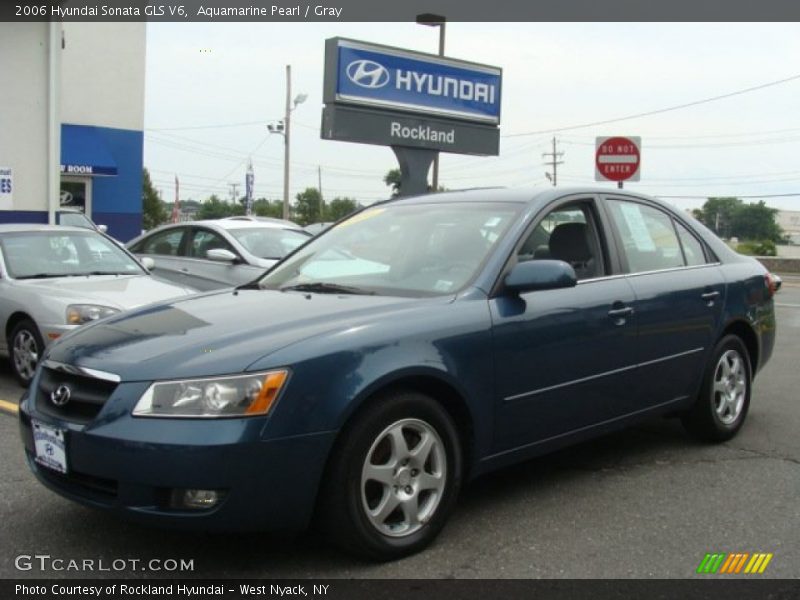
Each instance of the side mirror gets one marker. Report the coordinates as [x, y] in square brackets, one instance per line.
[221, 255]
[533, 275]
[148, 263]
[102, 228]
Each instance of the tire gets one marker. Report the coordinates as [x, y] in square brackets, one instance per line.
[402, 451]
[25, 347]
[721, 407]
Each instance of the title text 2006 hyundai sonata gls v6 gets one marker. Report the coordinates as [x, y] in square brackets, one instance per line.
[414, 345]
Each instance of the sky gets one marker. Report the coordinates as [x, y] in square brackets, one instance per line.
[211, 90]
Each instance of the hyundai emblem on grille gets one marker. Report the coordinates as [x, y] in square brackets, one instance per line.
[60, 396]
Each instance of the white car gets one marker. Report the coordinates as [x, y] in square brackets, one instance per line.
[55, 278]
[217, 253]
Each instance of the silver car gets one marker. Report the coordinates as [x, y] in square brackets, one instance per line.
[207, 255]
[55, 278]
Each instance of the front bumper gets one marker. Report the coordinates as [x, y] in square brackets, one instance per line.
[132, 466]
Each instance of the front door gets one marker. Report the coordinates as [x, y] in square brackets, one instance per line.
[564, 358]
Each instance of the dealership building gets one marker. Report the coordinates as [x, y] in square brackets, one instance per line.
[71, 122]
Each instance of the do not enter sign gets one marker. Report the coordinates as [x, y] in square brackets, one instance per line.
[617, 158]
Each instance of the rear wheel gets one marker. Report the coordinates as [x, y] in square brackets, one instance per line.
[721, 407]
[25, 347]
[393, 479]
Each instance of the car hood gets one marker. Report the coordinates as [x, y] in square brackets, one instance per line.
[217, 333]
[118, 291]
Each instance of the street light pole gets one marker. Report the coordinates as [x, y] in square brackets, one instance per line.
[286, 125]
[435, 21]
[282, 128]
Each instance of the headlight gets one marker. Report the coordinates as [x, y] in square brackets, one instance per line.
[235, 396]
[83, 313]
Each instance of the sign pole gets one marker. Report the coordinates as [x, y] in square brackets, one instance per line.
[414, 166]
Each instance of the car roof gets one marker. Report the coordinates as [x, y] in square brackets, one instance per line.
[537, 196]
[243, 224]
[36, 227]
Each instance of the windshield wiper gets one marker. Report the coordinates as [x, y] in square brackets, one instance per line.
[106, 273]
[320, 287]
[48, 275]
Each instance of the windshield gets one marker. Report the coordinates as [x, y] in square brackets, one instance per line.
[398, 249]
[64, 254]
[269, 242]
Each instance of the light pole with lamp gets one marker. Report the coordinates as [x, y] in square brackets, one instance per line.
[439, 21]
[282, 127]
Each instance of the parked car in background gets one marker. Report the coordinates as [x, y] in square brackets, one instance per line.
[207, 255]
[55, 278]
[73, 217]
[419, 343]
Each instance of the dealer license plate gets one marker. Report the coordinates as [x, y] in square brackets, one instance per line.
[50, 447]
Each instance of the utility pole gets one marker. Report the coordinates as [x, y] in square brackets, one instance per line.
[553, 162]
[234, 188]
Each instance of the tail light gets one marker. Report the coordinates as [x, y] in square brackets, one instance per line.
[773, 283]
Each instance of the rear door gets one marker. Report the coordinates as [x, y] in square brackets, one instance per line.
[564, 358]
[679, 297]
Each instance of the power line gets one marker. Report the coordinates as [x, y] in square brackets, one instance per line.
[659, 110]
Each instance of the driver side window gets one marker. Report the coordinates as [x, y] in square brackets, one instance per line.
[567, 233]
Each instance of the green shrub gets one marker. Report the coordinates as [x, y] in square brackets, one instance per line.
[758, 248]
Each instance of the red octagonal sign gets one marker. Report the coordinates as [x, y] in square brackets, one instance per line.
[617, 158]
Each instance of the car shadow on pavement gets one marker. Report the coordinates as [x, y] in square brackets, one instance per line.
[85, 532]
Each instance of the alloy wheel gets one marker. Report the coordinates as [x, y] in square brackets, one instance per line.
[403, 477]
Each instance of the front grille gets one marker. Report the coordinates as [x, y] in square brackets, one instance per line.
[87, 395]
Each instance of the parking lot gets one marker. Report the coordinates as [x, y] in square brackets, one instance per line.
[647, 502]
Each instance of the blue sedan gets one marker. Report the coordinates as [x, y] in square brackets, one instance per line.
[415, 345]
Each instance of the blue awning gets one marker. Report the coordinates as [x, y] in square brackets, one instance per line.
[85, 152]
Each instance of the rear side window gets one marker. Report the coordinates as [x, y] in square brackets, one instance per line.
[164, 243]
[649, 241]
[692, 248]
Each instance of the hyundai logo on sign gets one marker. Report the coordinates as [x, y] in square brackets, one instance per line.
[367, 73]
[396, 79]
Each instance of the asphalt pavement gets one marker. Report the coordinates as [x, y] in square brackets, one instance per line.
[647, 502]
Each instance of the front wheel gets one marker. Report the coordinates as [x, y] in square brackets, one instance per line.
[25, 346]
[724, 399]
[393, 479]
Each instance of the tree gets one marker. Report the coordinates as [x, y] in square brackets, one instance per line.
[153, 211]
[308, 207]
[730, 217]
[268, 208]
[392, 179]
[717, 214]
[339, 207]
[756, 222]
[214, 208]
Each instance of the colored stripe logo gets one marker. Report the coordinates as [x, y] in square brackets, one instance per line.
[734, 563]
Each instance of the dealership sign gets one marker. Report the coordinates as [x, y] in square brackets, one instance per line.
[410, 98]
[367, 126]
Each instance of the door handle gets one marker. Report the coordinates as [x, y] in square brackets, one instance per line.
[710, 297]
[618, 313]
